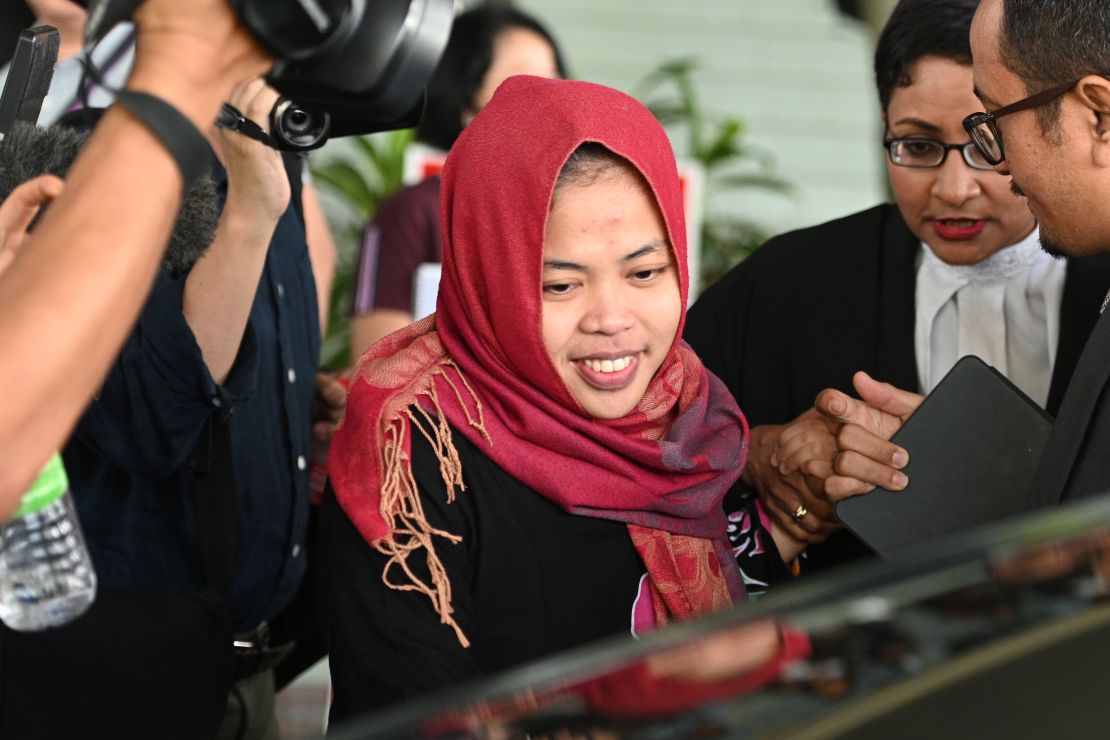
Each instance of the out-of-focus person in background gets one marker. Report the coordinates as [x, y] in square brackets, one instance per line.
[542, 463]
[902, 291]
[69, 301]
[487, 45]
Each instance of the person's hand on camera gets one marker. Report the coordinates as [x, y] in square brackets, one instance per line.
[186, 47]
[256, 178]
[18, 212]
[221, 287]
[795, 504]
[866, 457]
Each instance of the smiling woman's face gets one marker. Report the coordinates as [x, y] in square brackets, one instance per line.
[611, 299]
[964, 214]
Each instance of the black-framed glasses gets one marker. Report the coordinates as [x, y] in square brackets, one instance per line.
[917, 152]
[983, 127]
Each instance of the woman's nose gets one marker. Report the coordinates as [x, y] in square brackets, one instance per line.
[609, 311]
[956, 182]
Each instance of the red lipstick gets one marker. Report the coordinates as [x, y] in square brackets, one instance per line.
[959, 229]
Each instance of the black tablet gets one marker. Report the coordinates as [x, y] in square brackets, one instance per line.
[974, 443]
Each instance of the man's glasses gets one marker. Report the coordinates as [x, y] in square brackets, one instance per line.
[983, 127]
[929, 153]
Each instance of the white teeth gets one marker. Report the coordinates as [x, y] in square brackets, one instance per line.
[608, 366]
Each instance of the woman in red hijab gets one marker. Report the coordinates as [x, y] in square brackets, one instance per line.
[541, 463]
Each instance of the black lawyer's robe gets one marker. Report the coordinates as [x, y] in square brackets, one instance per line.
[813, 306]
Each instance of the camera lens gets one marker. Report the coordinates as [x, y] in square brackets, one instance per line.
[299, 120]
[298, 128]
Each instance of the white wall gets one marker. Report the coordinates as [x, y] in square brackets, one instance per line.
[796, 71]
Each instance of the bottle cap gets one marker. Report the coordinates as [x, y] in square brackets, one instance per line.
[50, 486]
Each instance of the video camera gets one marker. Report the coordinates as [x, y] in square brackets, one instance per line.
[343, 66]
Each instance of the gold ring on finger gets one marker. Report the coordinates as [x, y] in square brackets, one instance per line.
[799, 513]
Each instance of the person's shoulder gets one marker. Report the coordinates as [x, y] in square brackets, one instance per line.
[844, 233]
[1095, 268]
[476, 463]
[413, 197]
[794, 254]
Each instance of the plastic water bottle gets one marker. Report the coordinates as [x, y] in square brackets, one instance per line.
[46, 576]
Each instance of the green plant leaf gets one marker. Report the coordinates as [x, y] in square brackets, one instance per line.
[753, 181]
[719, 146]
[725, 145]
[347, 182]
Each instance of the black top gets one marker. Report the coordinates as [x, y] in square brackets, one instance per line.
[813, 306]
[128, 458]
[528, 580]
[1075, 463]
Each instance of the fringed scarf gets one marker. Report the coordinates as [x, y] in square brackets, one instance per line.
[479, 366]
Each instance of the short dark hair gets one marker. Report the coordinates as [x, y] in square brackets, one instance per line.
[463, 66]
[1050, 42]
[591, 162]
[28, 152]
[921, 28]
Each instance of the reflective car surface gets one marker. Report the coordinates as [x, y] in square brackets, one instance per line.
[998, 632]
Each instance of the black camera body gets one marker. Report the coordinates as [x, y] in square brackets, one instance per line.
[343, 66]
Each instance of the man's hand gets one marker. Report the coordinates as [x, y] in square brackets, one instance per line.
[867, 458]
[257, 183]
[221, 287]
[18, 211]
[784, 494]
[328, 406]
[188, 45]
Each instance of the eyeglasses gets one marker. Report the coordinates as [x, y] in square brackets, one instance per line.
[929, 153]
[983, 127]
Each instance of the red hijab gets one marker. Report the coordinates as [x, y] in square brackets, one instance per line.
[480, 366]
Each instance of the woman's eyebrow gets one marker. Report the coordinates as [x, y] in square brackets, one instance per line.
[563, 265]
[649, 248]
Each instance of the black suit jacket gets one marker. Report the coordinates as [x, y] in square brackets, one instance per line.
[1076, 460]
[813, 306]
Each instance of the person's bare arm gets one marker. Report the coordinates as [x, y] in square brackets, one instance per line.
[788, 546]
[368, 328]
[321, 250]
[221, 287]
[72, 294]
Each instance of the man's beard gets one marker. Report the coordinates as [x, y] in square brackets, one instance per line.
[1051, 246]
[1048, 242]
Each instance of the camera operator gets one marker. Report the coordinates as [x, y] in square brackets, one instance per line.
[77, 284]
[230, 342]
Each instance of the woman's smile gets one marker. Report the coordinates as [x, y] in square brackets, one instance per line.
[609, 374]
